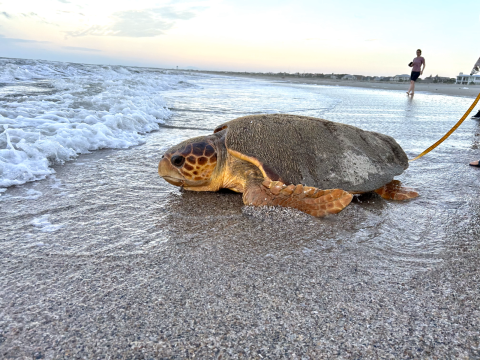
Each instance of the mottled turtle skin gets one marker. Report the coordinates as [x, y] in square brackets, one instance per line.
[311, 164]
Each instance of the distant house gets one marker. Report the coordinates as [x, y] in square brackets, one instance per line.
[468, 79]
[359, 77]
[349, 77]
[438, 79]
[333, 76]
[378, 78]
[403, 77]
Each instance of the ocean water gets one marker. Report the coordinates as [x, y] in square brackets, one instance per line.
[52, 112]
[61, 120]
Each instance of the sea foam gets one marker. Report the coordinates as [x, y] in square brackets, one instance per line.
[50, 112]
[43, 224]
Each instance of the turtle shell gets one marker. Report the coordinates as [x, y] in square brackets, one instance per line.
[316, 152]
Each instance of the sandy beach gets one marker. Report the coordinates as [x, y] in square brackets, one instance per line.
[105, 260]
[439, 88]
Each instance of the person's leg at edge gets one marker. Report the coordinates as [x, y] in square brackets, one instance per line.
[476, 162]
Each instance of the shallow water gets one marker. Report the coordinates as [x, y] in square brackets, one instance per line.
[50, 112]
[111, 207]
[113, 183]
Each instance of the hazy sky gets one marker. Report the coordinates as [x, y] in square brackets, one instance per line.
[370, 37]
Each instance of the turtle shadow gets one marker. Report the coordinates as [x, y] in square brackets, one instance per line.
[226, 202]
[370, 201]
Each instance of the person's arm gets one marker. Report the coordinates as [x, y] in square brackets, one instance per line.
[421, 71]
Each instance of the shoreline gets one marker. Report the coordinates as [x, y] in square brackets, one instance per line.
[440, 88]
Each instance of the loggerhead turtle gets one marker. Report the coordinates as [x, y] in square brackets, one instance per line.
[288, 160]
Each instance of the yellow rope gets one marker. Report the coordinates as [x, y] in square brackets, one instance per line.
[451, 130]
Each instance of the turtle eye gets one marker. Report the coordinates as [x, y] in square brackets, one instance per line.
[177, 160]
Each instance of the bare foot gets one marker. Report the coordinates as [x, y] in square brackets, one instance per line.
[408, 93]
[412, 93]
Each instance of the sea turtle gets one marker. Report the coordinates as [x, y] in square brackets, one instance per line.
[287, 160]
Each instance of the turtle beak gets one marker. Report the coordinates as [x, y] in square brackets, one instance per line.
[173, 181]
[169, 173]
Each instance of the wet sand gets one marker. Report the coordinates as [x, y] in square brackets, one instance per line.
[139, 269]
[240, 282]
[439, 88]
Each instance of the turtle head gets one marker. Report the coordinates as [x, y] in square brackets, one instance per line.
[191, 164]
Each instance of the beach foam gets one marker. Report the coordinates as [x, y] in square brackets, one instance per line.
[42, 224]
[50, 112]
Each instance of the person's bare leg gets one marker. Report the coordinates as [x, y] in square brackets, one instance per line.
[412, 86]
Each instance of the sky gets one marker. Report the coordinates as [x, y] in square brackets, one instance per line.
[369, 37]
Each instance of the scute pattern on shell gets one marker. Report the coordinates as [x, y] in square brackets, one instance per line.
[317, 152]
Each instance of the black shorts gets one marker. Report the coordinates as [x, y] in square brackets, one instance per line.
[414, 76]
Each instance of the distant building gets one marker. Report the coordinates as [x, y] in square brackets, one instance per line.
[359, 77]
[349, 77]
[403, 77]
[378, 78]
[333, 76]
[468, 79]
[438, 79]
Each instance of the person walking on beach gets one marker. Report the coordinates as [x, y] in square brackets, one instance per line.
[416, 65]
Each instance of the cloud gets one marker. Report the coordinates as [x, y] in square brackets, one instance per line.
[79, 48]
[172, 14]
[6, 15]
[64, 1]
[139, 23]
[32, 15]
[5, 39]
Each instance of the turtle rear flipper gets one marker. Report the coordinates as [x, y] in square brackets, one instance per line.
[310, 200]
[395, 191]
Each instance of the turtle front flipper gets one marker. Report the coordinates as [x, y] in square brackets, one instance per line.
[395, 191]
[310, 200]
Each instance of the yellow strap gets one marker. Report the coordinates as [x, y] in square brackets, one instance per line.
[451, 130]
